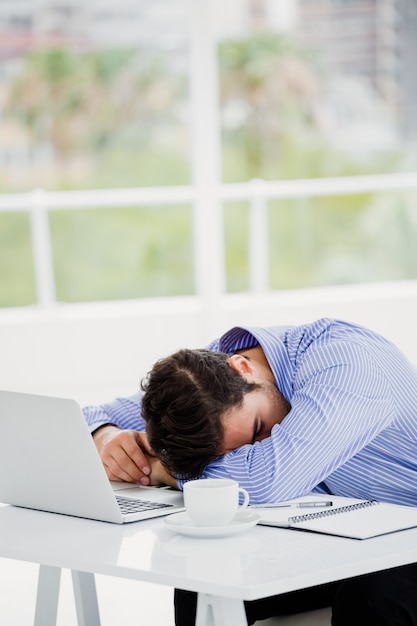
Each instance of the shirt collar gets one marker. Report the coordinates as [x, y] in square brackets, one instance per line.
[272, 343]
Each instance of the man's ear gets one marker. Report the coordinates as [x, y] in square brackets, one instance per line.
[241, 365]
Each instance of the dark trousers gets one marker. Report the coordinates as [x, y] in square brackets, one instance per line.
[387, 598]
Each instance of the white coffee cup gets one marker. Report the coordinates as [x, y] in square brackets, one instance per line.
[213, 501]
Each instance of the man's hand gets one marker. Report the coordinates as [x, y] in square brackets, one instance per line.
[159, 475]
[125, 454]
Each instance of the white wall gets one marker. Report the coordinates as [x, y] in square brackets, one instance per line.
[93, 352]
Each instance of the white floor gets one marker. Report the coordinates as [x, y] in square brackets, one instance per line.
[121, 602]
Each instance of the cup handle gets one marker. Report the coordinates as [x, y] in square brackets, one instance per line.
[245, 498]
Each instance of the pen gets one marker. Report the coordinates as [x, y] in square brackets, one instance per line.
[296, 505]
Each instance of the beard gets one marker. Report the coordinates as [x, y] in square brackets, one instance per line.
[280, 405]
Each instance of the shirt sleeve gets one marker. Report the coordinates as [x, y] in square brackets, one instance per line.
[122, 412]
[340, 402]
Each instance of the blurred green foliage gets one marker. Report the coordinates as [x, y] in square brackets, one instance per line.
[117, 119]
[122, 253]
[17, 285]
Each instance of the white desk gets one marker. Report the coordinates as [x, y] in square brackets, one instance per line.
[225, 571]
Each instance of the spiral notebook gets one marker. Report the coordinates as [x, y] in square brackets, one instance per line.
[356, 519]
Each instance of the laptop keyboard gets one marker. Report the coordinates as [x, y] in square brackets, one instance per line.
[130, 505]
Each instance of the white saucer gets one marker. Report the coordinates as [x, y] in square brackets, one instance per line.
[181, 523]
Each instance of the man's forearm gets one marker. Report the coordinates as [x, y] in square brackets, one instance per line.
[159, 475]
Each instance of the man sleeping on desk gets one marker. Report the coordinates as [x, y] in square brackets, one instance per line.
[328, 407]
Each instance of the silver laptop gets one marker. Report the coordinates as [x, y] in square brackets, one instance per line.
[48, 461]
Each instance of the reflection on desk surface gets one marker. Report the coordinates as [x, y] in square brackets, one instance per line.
[257, 563]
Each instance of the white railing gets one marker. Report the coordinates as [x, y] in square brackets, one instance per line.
[257, 193]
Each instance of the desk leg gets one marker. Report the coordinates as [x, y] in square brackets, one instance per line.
[216, 611]
[85, 598]
[47, 596]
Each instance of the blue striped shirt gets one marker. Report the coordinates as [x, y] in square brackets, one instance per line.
[352, 427]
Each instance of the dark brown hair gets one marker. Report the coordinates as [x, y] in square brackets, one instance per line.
[186, 395]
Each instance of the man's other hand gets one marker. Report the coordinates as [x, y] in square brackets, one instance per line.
[125, 454]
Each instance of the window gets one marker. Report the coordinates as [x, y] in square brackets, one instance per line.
[97, 96]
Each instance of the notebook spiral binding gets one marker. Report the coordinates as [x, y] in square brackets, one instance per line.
[343, 509]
